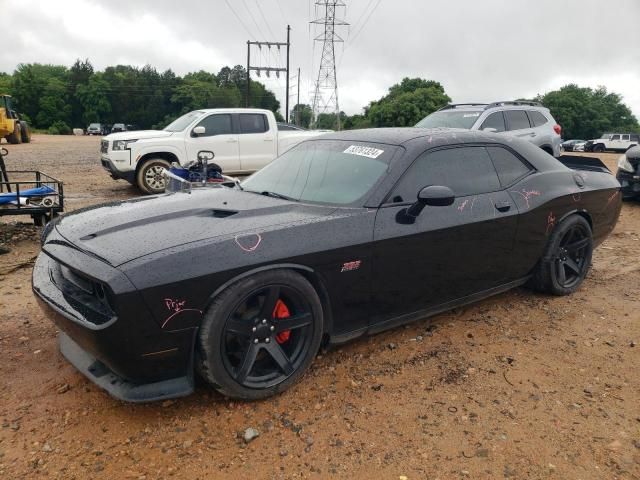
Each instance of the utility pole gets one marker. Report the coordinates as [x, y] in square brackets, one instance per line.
[298, 102]
[286, 113]
[325, 97]
[269, 69]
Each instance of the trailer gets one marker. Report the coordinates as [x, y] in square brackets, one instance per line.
[30, 192]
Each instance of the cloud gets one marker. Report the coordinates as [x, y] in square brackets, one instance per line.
[480, 51]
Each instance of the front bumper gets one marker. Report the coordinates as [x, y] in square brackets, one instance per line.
[129, 355]
[118, 164]
[630, 183]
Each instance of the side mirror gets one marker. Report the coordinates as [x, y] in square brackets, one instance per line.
[489, 129]
[199, 130]
[434, 196]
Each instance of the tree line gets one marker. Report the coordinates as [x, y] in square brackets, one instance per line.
[57, 99]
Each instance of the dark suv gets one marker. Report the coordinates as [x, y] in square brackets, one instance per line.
[527, 120]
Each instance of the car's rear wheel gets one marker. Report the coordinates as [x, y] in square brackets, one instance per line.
[566, 259]
[150, 177]
[260, 335]
[599, 148]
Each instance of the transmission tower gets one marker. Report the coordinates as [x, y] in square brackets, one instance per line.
[325, 97]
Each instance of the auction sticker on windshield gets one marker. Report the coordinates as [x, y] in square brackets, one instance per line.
[364, 151]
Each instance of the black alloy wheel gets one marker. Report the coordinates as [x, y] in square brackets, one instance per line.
[267, 337]
[572, 257]
[260, 334]
[566, 259]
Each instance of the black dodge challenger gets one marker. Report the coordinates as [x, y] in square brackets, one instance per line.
[344, 235]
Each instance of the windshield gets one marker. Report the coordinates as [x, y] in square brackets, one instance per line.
[94, 125]
[450, 119]
[338, 172]
[183, 122]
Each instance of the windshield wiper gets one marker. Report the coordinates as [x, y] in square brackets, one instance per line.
[266, 193]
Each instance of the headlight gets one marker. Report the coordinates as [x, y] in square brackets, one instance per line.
[122, 144]
[624, 164]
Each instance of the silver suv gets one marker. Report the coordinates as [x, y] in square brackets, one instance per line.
[527, 120]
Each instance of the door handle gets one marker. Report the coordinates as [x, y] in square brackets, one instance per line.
[232, 141]
[268, 140]
[502, 206]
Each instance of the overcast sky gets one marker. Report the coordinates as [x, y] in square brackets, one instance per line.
[479, 50]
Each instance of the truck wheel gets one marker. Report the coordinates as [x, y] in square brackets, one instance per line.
[25, 132]
[15, 138]
[150, 178]
[599, 148]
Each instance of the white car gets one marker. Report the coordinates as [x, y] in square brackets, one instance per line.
[243, 140]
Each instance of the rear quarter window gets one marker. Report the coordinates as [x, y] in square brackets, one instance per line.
[537, 118]
[516, 119]
[509, 167]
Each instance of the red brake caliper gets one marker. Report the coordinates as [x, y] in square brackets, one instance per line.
[281, 311]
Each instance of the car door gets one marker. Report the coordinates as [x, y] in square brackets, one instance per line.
[218, 137]
[448, 252]
[614, 142]
[625, 141]
[257, 141]
[518, 125]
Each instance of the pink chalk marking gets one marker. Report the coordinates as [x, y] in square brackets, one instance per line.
[249, 247]
[462, 205]
[176, 307]
[527, 194]
[551, 222]
[611, 197]
[179, 312]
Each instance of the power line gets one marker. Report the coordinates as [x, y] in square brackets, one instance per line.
[353, 39]
[265, 19]
[254, 19]
[239, 19]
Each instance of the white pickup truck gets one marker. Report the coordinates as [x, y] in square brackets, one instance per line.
[242, 139]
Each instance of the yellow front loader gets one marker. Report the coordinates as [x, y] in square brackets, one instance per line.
[11, 127]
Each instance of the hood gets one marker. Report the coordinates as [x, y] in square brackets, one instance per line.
[138, 135]
[123, 231]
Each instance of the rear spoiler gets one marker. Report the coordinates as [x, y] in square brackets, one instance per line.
[591, 164]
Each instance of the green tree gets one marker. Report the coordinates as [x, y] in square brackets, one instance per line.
[6, 83]
[588, 113]
[301, 114]
[407, 103]
[93, 100]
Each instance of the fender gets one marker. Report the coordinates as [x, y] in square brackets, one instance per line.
[151, 149]
[316, 281]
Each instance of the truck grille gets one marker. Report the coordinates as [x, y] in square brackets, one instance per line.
[104, 146]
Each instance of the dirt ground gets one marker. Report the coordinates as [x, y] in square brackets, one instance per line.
[518, 386]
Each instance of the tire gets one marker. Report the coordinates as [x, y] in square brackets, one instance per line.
[246, 356]
[564, 266]
[25, 132]
[599, 148]
[15, 138]
[40, 220]
[149, 177]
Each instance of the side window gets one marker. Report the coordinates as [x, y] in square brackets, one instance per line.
[615, 137]
[509, 167]
[466, 170]
[516, 119]
[495, 120]
[635, 138]
[253, 123]
[217, 124]
[625, 137]
[537, 118]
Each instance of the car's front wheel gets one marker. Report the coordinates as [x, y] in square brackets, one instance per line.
[260, 335]
[150, 177]
[566, 259]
